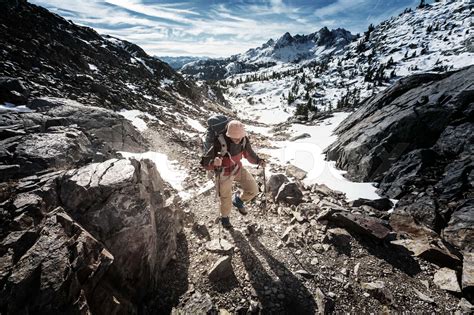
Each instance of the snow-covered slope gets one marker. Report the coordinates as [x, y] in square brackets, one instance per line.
[287, 49]
[435, 38]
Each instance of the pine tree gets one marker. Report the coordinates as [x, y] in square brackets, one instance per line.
[422, 4]
[291, 98]
[369, 30]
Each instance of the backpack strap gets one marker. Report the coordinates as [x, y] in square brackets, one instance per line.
[221, 140]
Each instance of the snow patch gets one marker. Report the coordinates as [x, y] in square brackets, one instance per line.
[133, 116]
[169, 169]
[195, 124]
[307, 154]
[13, 108]
[93, 67]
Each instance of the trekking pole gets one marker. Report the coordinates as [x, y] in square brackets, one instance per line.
[264, 191]
[218, 172]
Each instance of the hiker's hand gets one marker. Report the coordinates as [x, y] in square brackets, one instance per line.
[262, 163]
[217, 161]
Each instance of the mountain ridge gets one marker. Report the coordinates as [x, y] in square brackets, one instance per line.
[286, 49]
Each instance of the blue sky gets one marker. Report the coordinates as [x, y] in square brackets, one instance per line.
[219, 28]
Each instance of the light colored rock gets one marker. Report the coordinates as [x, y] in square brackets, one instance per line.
[466, 306]
[295, 172]
[356, 269]
[468, 271]
[423, 296]
[446, 279]
[219, 245]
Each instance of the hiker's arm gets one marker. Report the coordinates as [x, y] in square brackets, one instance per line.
[207, 160]
[250, 154]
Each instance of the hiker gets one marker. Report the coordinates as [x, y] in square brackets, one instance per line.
[237, 145]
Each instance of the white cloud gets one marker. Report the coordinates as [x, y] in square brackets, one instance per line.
[155, 10]
[338, 7]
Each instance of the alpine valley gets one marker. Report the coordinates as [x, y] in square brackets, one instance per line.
[366, 204]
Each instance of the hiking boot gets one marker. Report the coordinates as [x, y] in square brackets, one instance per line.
[226, 223]
[239, 204]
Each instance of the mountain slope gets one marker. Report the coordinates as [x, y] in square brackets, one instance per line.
[55, 57]
[435, 38]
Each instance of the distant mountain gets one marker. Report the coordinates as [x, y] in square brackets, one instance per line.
[296, 49]
[177, 62]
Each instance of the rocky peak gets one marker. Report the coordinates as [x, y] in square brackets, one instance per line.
[269, 43]
[283, 41]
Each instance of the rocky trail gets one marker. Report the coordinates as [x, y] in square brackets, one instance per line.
[283, 259]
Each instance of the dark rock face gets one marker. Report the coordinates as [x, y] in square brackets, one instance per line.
[52, 268]
[89, 239]
[275, 182]
[382, 204]
[416, 139]
[61, 134]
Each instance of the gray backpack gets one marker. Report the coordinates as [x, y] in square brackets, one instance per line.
[216, 128]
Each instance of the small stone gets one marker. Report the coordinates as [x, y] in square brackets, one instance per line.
[287, 232]
[465, 306]
[298, 252]
[314, 261]
[377, 289]
[356, 269]
[318, 247]
[423, 296]
[304, 273]
[221, 269]
[344, 271]
[254, 306]
[281, 296]
[326, 247]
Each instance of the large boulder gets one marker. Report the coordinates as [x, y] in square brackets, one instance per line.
[103, 124]
[121, 203]
[61, 231]
[460, 229]
[410, 115]
[61, 134]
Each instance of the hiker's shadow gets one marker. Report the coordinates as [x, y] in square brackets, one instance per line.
[297, 300]
[291, 294]
[259, 278]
